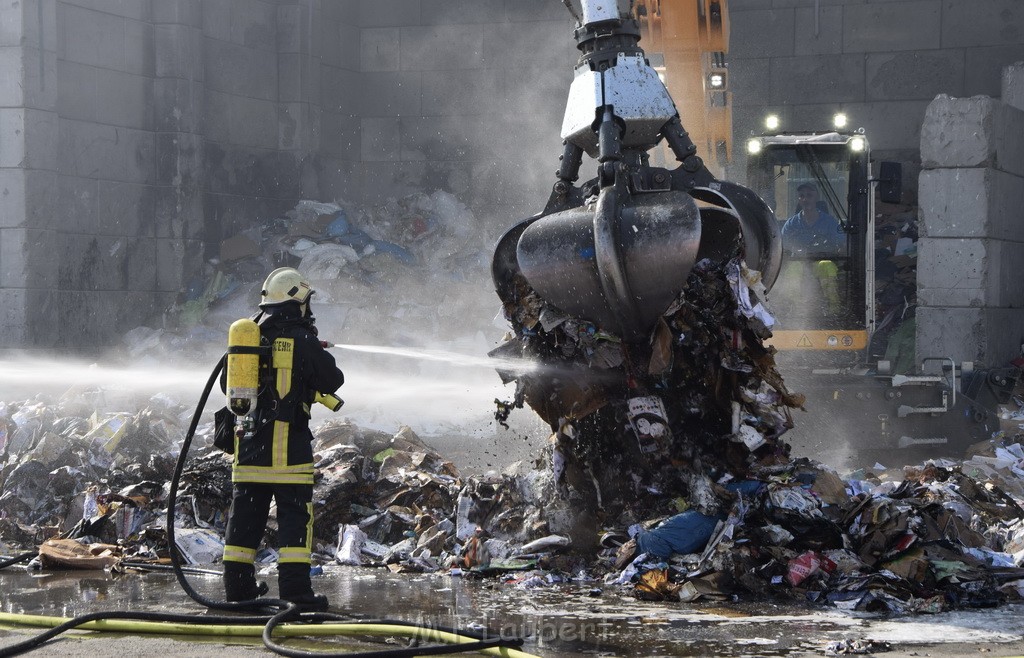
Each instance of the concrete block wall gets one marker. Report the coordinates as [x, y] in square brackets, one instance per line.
[971, 249]
[880, 61]
[134, 136]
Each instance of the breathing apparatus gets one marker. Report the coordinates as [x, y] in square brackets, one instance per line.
[248, 360]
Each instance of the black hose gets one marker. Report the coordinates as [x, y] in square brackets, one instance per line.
[17, 559]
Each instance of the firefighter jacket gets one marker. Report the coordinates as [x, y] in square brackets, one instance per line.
[281, 450]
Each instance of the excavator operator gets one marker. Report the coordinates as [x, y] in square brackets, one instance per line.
[813, 234]
[275, 460]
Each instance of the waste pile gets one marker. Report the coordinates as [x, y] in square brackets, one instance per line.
[896, 284]
[639, 427]
[921, 538]
[381, 272]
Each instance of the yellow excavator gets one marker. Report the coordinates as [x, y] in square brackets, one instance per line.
[824, 296]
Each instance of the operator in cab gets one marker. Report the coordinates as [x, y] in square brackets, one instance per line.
[274, 462]
[814, 236]
[812, 232]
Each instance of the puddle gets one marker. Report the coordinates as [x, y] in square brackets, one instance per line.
[565, 621]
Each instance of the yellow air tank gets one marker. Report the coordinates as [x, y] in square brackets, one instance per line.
[243, 377]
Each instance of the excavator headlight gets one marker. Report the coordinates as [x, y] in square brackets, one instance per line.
[753, 146]
[771, 122]
[840, 120]
[857, 144]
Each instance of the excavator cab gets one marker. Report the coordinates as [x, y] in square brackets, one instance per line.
[819, 186]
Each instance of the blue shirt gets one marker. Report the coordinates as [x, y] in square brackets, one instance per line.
[824, 237]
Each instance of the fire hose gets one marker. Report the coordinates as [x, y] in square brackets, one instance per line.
[286, 621]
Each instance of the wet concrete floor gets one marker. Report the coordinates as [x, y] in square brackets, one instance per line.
[581, 619]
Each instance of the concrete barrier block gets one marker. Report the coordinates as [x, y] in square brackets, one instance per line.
[826, 79]
[956, 333]
[389, 13]
[972, 132]
[12, 197]
[381, 140]
[954, 272]
[972, 202]
[884, 27]
[380, 49]
[441, 47]
[990, 337]
[1012, 85]
[391, 94]
[98, 37]
[915, 75]
[762, 33]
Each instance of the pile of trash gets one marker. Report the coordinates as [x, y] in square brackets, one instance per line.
[376, 269]
[638, 427]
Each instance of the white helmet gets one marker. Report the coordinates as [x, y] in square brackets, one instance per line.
[285, 284]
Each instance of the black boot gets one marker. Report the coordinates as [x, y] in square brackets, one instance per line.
[293, 582]
[240, 582]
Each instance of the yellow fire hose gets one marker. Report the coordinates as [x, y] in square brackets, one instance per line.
[284, 630]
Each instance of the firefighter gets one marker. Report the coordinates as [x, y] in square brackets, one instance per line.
[273, 457]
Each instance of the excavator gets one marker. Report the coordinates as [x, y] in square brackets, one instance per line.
[616, 250]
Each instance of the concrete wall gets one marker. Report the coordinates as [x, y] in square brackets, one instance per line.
[136, 134]
[971, 251]
[880, 61]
